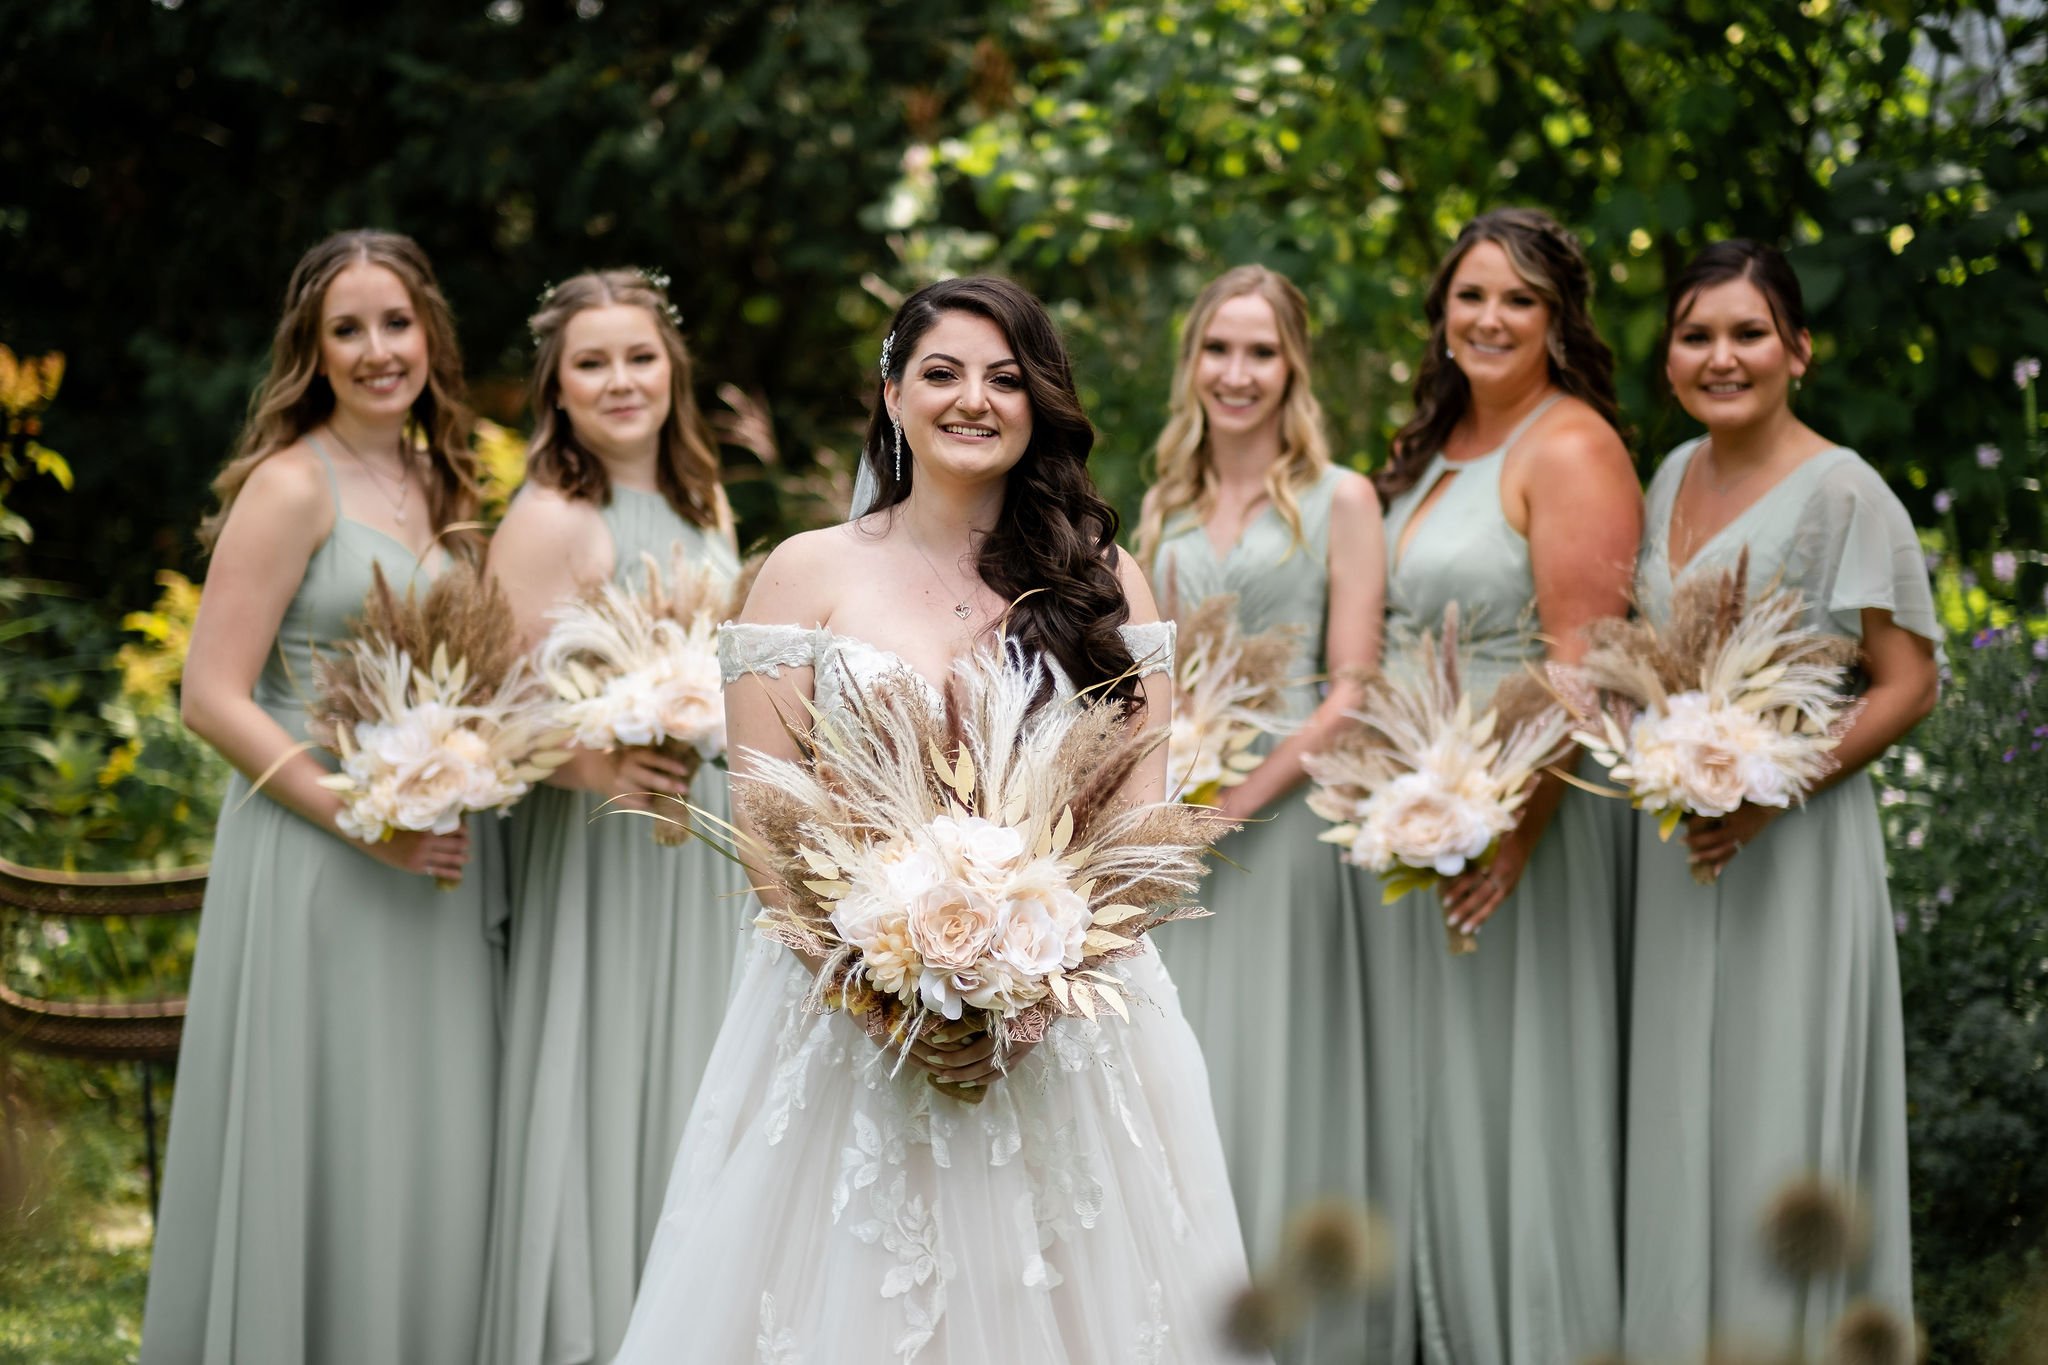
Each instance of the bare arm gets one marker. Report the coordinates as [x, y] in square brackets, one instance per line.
[1351, 645]
[1904, 685]
[280, 519]
[1585, 519]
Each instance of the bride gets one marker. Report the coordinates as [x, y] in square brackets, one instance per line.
[822, 1210]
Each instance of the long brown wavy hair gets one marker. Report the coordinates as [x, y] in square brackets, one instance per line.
[1186, 479]
[295, 397]
[1552, 263]
[687, 470]
[1052, 553]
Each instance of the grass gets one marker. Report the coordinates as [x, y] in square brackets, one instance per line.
[74, 1211]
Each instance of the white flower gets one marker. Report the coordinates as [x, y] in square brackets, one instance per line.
[953, 924]
[1193, 758]
[2005, 566]
[1426, 823]
[878, 905]
[1988, 456]
[977, 851]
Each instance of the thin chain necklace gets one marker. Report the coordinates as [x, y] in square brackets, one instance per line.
[961, 608]
[397, 506]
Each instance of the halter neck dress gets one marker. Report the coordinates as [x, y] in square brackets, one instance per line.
[327, 1184]
[622, 952]
[1274, 984]
[1766, 1041]
[1496, 1100]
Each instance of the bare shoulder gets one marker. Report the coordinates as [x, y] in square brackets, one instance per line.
[1354, 501]
[799, 581]
[1574, 444]
[1137, 592]
[291, 483]
[540, 517]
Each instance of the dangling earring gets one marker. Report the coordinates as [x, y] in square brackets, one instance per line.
[1449, 354]
[1556, 348]
[899, 448]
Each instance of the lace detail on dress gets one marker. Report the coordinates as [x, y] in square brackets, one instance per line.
[744, 649]
[1151, 645]
[777, 1344]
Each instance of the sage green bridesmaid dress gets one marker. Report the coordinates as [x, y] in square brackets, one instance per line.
[1766, 1042]
[621, 954]
[1496, 1099]
[1273, 986]
[327, 1185]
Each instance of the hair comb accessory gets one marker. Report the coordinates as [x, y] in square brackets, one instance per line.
[888, 344]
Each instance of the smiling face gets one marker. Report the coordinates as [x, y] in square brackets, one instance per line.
[1496, 324]
[613, 380]
[962, 400]
[1241, 371]
[1729, 364]
[373, 350]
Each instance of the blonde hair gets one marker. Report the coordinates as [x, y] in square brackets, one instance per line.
[1185, 478]
[687, 468]
[295, 397]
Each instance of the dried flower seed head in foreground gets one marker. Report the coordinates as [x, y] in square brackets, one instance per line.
[1872, 1334]
[1336, 1246]
[1813, 1227]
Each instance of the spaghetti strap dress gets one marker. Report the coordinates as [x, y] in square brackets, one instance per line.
[327, 1184]
[622, 951]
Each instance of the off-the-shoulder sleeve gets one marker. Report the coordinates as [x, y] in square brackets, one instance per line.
[744, 649]
[1874, 557]
[1151, 645]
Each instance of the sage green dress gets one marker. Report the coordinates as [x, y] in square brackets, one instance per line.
[622, 950]
[1766, 1042]
[327, 1184]
[1273, 986]
[1496, 1100]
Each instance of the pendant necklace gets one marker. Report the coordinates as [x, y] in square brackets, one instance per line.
[397, 505]
[961, 608]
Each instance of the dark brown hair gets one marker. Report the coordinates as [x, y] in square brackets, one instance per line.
[1052, 553]
[1740, 258]
[687, 468]
[1551, 261]
[295, 397]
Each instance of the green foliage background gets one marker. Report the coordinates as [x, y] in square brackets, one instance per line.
[798, 166]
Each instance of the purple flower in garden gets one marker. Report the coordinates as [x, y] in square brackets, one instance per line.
[1932, 560]
[1915, 838]
[1945, 896]
[2005, 566]
[1969, 578]
[1988, 456]
[2026, 370]
[2041, 648]
[2010, 755]
[1943, 501]
[1899, 921]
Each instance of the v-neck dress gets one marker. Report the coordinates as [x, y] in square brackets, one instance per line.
[1766, 1041]
[1274, 984]
[327, 1185]
[622, 952]
[1496, 1100]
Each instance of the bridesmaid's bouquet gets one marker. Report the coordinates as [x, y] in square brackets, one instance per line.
[1419, 788]
[1229, 688]
[1732, 699]
[431, 710]
[972, 859]
[640, 668]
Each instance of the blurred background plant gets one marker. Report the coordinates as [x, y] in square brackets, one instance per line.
[799, 167]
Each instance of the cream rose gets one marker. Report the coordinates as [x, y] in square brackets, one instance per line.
[976, 850]
[952, 926]
[1428, 826]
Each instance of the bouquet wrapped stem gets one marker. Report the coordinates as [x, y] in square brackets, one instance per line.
[1421, 786]
[1731, 700]
[968, 865]
[431, 711]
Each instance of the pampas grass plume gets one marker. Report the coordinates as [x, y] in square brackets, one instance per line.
[1813, 1227]
[1872, 1334]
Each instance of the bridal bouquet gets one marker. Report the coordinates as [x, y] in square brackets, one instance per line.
[431, 710]
[1731, 700]
[1229, 689]
[972, 859]
[1420, 788]
[640, 668]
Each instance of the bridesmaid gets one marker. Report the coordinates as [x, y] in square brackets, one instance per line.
[328, 1179]
[621, 948]
[1496, 1095]
[1765, 1043]
[1248, 502]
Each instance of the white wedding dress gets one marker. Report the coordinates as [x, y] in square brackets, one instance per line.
[825, 1212]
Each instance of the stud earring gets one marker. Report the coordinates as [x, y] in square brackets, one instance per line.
[899, 448]
[1449, 354]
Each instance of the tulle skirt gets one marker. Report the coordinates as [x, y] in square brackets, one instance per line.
[824, 1210]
